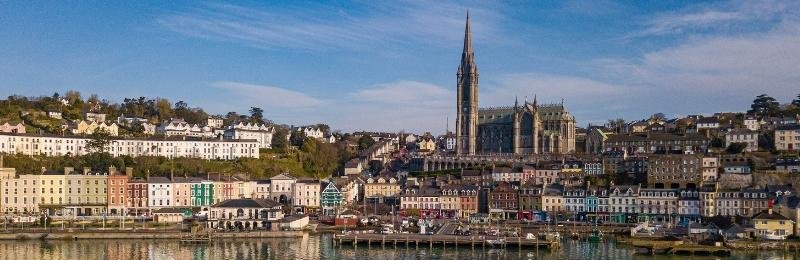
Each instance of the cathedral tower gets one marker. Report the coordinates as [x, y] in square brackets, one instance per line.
[467, 103]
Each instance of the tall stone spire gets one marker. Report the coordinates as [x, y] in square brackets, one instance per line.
[467, 55]
[467, 100]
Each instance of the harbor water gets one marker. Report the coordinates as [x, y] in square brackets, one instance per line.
[323, 247]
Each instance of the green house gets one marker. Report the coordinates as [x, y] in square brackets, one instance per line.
[331, 199]
[203, 193]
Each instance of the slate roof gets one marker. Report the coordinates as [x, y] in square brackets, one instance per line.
[766, 214]
[247, 203]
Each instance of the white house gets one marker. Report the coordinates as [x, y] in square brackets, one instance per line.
[281, 187]
[306, 193]
[746, 136]
[311, 132]
[182, 128]
[160, 194]
[60, 146]
[708, 123]
[260, 133]
[752, 123]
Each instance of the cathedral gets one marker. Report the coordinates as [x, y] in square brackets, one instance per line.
[527, 128]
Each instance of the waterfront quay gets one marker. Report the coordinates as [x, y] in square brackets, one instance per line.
[417, 240]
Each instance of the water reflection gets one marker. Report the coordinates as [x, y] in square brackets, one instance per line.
[320, 247]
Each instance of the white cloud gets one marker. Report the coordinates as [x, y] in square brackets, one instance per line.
[317, 27]
[548, 88]
[269, 96]
[403, 92]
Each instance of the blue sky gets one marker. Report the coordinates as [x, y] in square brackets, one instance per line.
[390, 65]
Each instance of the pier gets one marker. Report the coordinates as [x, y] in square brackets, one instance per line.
[417, 240]
[679, 248]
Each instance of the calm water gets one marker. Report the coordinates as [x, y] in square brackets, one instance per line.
[316, 247]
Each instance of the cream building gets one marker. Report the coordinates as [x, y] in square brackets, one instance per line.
[60, 146]
[90, 127]
[306, 193]
[787, 138]
[381, 187]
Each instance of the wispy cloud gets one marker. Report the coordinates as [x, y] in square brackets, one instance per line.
[316, 27]
[269, 96]
[735, 15]
[403, 92]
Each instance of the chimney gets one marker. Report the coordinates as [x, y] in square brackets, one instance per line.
[112, 170]
[86, 170]
[129, 172]
[43, 170]
[68, 170]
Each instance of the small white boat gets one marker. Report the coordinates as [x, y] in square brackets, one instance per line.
[773, 236]
[495, 242]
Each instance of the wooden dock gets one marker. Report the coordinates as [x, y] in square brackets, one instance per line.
[679, 248]
[196, 238]
[441, 240]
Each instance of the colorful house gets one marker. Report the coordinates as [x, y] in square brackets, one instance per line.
[331, 199]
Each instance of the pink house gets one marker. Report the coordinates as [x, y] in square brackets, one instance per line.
[9, 128]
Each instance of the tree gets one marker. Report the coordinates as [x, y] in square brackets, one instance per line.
[736, 148]
[658, 117]
[256, 115]
[616, 124]
[297, 138]
[279, 139]
[764, 106]
[98, 141]
[365, 142]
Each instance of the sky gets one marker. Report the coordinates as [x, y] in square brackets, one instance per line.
[390, 65]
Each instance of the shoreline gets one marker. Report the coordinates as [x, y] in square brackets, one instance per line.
[174, 235]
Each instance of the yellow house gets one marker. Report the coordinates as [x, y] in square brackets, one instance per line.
[89, 127]
[427, 144]
[381, 187]
[771, 225]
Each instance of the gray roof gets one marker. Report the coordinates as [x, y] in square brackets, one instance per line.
[247, 203]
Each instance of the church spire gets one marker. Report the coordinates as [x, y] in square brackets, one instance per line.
[467, 56]
[468, 37]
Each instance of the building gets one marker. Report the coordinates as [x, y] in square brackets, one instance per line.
[331, 199]
[179, 127]
[306, 195]
[262, 134]
[203, 193]
[281, 186]
[622, 203]
[650, 143]
[771, 225]
[522, 129]
[708, 123]
[244, 214]
[381, 188]
[353, 167]
[674, 171]
[423, 202]
[90, 127]
[160, 192]
[595, 137]
[787, 138]
[710, 169]
[18, 128]
[215, 122]
[745, 136]
[658, 205]
[503, 201]
[118, 191]
[752, 123]
[310, 132]
[137, 203]
[787, 164]
[76, 146]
